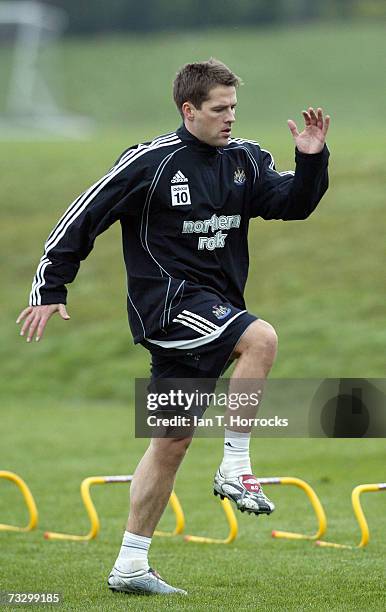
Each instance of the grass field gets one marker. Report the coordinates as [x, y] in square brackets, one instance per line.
[66, 404]
[68, 443]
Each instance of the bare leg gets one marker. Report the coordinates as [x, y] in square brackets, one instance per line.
[256, 352]
[153, 482]
[155, 474]
[150, 491]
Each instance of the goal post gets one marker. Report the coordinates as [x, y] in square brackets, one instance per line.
[29, 101]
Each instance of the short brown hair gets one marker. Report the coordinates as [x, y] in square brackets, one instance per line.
[194, 81]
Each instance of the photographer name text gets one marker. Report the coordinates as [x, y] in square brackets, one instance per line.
[216, 421]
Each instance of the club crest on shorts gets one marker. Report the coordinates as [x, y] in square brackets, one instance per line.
[220, 312]
[239, 177]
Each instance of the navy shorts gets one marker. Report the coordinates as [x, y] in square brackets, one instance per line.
[199, 341]
[192, 352]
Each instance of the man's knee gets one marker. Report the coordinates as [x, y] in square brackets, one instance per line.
[259, 337]
[171, 449]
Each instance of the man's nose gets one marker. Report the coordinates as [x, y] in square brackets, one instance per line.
[230, 118]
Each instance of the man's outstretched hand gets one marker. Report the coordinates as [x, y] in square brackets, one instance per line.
[313, 137]
[36, 318]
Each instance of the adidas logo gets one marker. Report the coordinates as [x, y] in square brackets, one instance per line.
[179, 178]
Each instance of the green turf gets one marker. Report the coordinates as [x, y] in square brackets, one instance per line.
[66, 443]
[66, 403]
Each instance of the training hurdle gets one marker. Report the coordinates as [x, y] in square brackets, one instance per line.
[315, 503]
[87, 483]
[85, 486]
[359, 515]
[232, 523]
[94, 530]
[29, 501]
[277, 480]
[173, 501]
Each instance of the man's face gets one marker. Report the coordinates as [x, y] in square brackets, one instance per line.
[212, 123]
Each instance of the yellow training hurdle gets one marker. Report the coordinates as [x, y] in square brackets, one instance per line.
[175, 505]
[232, 523]
[359, 515]
[85, 486]
[315, 503]
[29, 500]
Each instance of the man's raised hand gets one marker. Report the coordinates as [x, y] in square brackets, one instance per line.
[312, 138]
[36, 318]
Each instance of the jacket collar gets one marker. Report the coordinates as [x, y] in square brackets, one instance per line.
[188, 138]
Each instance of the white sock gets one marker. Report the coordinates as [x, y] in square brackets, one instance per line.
[134, 549]
[236, 459]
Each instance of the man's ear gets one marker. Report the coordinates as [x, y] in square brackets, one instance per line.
[188, 110]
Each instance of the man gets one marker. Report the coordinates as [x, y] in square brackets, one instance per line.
[184, 201]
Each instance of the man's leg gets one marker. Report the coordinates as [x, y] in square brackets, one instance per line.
[150, 490]
[153, 482]
[256, 351]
